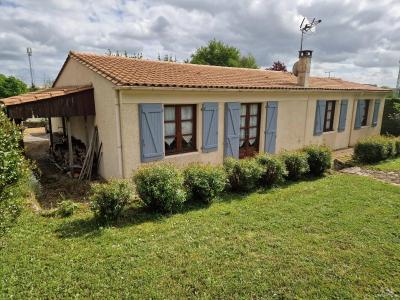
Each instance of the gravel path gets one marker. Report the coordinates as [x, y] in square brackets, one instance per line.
[392, 177]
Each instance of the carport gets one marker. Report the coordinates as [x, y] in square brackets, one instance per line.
[64, 102]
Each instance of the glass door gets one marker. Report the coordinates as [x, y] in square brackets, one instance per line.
[249, 129]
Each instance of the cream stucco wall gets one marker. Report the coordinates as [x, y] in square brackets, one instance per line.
[74, 73]
[295, 128]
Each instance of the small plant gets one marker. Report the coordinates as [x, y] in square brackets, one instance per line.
[243, 175]
[273, 170]
[204, 182]
[374, 149]
[319, 159]
[66, 208]
[107, 200]
[296, 164]
[160, 187]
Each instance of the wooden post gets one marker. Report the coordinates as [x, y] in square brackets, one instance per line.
[70, 153]
[51, 136]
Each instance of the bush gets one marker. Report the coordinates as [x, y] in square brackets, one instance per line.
[204, 182]
[296, 164]
[273, 170]
[160, 187]
[397, 146]
[319, 159]
[66, 208]
[14, 173]
[374, 149]
[107, 200]
[243, 175]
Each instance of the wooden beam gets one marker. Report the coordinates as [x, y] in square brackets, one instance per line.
[51, 136]
[70, 151]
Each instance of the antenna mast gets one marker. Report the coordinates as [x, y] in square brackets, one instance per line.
[306, 27]
[29, 52]
[398, 83]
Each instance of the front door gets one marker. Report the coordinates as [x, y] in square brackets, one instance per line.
[249, 129]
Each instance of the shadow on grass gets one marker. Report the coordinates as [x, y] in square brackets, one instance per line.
[136, 215]
[92, 227]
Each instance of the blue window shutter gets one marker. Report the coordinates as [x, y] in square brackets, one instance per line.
[342, 115]
[376, 112]
[151, 131]
[319, 117]
[271, 126]
[232, 129]
[360, 109]
[210, 127]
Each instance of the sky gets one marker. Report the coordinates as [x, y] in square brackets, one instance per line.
[357, 40]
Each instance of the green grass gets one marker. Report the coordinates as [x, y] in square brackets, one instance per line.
[336, 237]
[387, 165]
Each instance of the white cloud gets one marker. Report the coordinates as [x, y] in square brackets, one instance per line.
[357, 40]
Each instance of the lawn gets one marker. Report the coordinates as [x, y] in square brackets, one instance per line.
[336, 237]
[387, 165]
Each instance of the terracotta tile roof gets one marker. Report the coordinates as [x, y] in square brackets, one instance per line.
[123, 71]
[44, 94]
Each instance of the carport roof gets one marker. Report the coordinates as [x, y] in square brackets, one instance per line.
[44, 94]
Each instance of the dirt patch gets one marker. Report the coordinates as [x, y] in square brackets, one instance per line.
[55, 184]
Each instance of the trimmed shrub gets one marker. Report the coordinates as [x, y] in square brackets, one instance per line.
[296, 164]
[319, 159]
[243, 175]
[374, 149]
[397, 144]
[204, 182]
[66, 208]
[107, 200]
[160, 187]
[273, 170]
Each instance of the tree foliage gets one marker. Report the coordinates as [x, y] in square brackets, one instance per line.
[217, 53]
[391, 117]
[278, 66]
[11, 86]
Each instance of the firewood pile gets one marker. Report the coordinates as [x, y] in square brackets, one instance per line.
[60, 152]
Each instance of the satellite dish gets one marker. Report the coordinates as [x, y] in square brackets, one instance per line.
[295, 71]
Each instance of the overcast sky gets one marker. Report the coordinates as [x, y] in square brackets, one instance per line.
[357, 40]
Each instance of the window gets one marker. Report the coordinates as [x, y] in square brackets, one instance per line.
[179, 128]
[364, 113]
[249, 129]
[329, 115]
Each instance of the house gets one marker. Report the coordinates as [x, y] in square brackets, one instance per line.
[148, 111]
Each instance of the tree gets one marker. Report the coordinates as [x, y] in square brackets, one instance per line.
[278, 66]
[217, 53]
[11, 86]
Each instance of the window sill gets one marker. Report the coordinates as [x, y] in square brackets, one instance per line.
[181, 154]
[328, 132]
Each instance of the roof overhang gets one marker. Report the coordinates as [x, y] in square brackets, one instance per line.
[53, 102]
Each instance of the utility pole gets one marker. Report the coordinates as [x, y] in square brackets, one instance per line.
[398, 83]
[329, 73]
[29, 52]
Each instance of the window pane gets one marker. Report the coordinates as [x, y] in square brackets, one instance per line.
[187, 127]
[186, 112]
[243, 109]
[170, 144]
[169, 113]
[169, 129]
[242, 121]
[252, 132]
[253, 121]
[253, 109]
[242, 133]
[187, 142]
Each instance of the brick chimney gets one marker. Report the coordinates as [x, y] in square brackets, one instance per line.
[302, 68]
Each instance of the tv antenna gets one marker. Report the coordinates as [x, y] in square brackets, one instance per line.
[398, 83]
[29, 52]
[307, 26]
